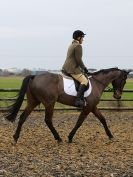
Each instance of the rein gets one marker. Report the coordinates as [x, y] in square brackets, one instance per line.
[108, 88]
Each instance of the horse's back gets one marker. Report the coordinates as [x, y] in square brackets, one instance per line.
[45, 79]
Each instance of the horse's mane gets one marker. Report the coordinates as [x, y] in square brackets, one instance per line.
[105, 71]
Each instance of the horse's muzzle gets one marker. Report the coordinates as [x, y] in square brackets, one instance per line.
[117, 95]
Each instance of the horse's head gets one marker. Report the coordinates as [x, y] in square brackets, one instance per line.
[118, 83]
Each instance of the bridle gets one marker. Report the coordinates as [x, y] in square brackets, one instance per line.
[108, 88]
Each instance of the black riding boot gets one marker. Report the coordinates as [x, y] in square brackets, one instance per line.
[80, 102]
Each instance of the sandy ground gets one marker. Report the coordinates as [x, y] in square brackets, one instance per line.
[91, 154]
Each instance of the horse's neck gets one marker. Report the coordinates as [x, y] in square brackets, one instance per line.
[105, 79]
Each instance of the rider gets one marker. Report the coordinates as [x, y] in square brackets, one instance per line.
[75, 67]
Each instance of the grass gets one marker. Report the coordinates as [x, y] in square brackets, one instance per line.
[15, 82]
[10, 82]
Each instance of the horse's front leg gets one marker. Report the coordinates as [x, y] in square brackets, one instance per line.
[98, 114]
[48, 119]
[81, 119]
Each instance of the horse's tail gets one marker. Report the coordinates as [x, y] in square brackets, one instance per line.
[14, 108]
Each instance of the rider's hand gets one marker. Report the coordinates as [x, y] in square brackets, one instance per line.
[86, 70]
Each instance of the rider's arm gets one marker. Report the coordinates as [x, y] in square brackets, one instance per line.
[78, 56]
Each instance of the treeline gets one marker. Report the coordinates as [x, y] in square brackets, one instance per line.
[23, 72]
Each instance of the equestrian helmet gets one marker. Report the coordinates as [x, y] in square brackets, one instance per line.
[77, 34]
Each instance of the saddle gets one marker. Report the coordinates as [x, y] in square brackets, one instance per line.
[77, 83]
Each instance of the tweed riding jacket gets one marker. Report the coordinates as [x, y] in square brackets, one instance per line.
[73, 63]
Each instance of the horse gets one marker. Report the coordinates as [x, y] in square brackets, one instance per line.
[47, 88]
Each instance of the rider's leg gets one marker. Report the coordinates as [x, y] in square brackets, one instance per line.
[80, 102]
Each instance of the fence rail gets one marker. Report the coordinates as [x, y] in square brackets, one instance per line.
[117, 107]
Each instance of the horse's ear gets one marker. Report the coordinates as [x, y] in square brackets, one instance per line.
[128, 71]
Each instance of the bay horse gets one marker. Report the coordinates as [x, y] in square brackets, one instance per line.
[48, 89]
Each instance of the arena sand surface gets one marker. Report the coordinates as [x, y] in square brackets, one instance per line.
[91, 154]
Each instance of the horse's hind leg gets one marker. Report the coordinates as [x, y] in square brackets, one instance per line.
[81, 119]
[98, 114]
[49, 109]
[22, 119]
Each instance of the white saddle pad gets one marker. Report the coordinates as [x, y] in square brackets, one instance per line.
[69, 87]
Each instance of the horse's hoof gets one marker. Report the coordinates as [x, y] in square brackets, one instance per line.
[59, 140]
[109, 141]
[14, 142]
[69, 141]
[114, 139]
[15, 139]
[111, 138]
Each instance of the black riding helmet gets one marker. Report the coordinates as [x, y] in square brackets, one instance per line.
[77, 34]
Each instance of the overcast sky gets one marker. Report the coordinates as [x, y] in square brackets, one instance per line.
[37, 33]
